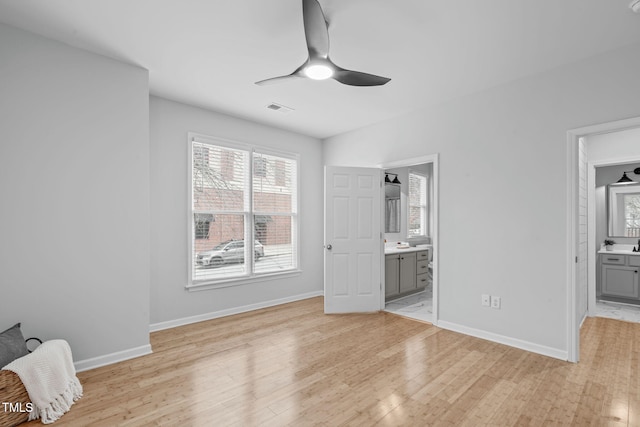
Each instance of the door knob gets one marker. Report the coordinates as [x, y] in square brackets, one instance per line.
[329, 247]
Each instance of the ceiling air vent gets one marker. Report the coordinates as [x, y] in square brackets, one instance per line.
[280, 108]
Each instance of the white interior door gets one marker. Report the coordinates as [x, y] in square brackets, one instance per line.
[352, 239]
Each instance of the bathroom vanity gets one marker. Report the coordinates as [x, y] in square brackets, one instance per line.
[406, 271]
[619, 267]
[620, 275]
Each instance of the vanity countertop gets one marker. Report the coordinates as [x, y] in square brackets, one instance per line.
[390, 250]
[618, 252]
[619, 249]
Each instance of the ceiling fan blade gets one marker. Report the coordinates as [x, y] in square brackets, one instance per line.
[280, 79]
[315, 29]
[356, 78]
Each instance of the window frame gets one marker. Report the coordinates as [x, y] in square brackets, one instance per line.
[423, 209]
[251, 276]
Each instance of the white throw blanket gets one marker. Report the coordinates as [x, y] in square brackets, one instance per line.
[50, 378]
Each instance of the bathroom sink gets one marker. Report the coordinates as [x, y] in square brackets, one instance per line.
[621, 249]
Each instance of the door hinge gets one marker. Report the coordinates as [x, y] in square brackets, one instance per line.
[576, 260]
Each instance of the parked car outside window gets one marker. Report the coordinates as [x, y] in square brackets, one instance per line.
[229, 252]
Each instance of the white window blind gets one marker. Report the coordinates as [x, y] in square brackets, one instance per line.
[275, 203]
[417, 222]
[241, 194]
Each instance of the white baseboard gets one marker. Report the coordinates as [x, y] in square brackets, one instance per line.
[501, 339]
[154, 327]
[108, 359]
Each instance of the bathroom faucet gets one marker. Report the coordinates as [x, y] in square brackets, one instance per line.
[638, 248]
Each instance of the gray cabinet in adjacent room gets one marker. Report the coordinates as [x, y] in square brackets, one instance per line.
[391, 275]
[405, 273]
[620, 277]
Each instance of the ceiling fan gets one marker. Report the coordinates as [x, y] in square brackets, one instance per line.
[318, 65]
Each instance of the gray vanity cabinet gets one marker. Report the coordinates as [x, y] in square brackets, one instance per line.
[405, 273]
[422, 269]
[620, 277]
[391, 275]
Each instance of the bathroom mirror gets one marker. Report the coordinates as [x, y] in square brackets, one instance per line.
[391, 208]
[623, 202]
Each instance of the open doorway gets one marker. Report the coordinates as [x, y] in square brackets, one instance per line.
[411, 224]
[589, 147]
[610, 157]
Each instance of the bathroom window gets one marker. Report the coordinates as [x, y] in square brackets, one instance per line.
[241, 194]
[417, 221]
[632, 215]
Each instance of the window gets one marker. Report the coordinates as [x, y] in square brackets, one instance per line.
[632, 215]
[201, 156]
[202, 225]
[259, 167]
[417, 222]
[241, 194]
[227, 165]
[280, 173]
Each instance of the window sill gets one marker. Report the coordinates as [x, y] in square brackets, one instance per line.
[226, 283]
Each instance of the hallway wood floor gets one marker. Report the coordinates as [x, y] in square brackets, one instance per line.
[293, 365]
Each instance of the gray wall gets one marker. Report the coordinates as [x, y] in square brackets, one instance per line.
[171, 303]
[74, 185]
[503, 158]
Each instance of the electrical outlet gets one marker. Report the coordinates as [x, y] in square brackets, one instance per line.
[495, 302]
[486, 300]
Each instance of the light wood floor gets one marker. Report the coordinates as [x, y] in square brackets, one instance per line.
[293, 365]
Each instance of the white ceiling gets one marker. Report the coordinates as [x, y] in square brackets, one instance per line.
[209, 53]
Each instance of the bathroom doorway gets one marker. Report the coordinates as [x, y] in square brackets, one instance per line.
[411, 227]
[588, 147]
[610, 156]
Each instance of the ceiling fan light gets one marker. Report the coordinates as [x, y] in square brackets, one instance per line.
[318, 72]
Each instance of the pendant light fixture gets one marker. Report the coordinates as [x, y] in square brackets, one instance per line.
[625, 179]
[388, 181]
